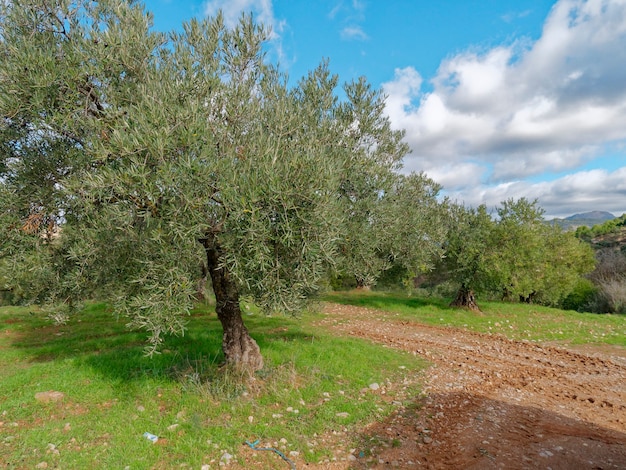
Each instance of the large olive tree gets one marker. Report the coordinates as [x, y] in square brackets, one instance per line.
[130, 157]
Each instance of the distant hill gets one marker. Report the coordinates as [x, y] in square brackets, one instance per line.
[588, 219]
[608, 234]
[598, 216]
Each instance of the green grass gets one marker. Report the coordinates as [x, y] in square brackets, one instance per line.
[113, 393]
[513, 320]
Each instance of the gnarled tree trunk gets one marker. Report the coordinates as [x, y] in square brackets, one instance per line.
[465, 298]
[239, 348]
[361, 284]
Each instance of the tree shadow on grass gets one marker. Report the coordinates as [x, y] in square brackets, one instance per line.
[97, 338]
[464, 430]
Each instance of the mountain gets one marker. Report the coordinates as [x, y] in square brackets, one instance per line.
[596, 216]
[586, 218]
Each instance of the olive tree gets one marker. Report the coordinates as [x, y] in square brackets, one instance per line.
[536, 261]
[401, 225]
[468, 248]
[515, 255]
[129, 157]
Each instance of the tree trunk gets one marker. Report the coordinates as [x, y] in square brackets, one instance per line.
[239, 348]
[527, 299]
[465, 298]
[361, 284]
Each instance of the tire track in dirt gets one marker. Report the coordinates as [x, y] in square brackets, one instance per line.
[493, 402]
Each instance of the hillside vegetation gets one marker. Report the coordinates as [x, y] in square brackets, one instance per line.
[611, 233]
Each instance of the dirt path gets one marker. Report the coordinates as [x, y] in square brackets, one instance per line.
[494, 403]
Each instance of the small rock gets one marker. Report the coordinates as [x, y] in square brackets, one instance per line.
[374, 386]
[42, 465]
[277, 415]
[351, 457]
[427, 439]
[294, 453]
[343, 414]
[205, 467]
[283, 440]
[250, 419]
[49, 397]
[172, 427]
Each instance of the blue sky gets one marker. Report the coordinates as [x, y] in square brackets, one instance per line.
[499, 98]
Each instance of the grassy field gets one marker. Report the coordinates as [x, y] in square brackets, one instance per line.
[313, 384]
[513, 320]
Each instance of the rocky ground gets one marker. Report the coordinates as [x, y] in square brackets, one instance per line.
[490, 402]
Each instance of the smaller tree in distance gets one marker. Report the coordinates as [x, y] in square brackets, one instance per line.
[467, 251]
[517, 256]
[537, 261]
[401, 226]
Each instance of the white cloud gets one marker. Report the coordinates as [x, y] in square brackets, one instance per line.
[512, 16]
[351, 15]
[522, 109]
[353, 32]
[232, 10]
[263, 12]
[575, 193]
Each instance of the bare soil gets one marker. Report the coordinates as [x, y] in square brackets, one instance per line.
[489, 402]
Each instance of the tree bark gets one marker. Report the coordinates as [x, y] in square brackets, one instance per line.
[361, 284]
[238, 346]
[465, 298]
[201, 285]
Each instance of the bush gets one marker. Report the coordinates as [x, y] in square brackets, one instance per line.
[614, 290]
[582, 298]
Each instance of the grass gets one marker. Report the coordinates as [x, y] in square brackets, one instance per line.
[312, 385]
[513, 320]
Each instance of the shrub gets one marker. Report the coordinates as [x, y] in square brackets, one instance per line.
[582, 298]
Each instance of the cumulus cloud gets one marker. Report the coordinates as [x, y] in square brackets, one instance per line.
[574, 193]
[524, 108]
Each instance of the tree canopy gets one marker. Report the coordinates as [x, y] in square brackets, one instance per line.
[129, 157]
[514, 255]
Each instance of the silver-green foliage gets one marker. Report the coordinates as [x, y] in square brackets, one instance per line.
[516, 255]
[122, 148]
